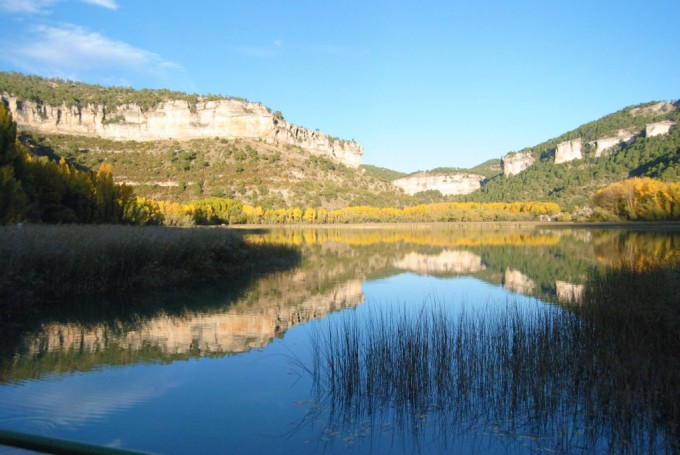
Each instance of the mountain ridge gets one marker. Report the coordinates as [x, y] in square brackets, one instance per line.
[63, 107]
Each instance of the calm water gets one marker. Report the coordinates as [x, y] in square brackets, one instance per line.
[224, 369]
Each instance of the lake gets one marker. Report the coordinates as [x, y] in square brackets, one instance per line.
[244, 367]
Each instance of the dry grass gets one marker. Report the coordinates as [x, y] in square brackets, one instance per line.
[46, 263]
[603, 378]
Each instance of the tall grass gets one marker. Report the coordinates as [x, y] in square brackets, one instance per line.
[605, 377]
[46, 263]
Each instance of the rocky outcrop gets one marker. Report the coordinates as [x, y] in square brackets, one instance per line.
[605, 143]
[447, 262]
[515, 162]
[453, 183]
[662, 107]
[568, 151]
[658, 128]
[177, 119]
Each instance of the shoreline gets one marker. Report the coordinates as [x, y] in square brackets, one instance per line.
[631, 225]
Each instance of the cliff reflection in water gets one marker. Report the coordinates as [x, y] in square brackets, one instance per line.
[550, 264]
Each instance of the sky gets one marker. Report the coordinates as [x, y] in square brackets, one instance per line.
[419, 84]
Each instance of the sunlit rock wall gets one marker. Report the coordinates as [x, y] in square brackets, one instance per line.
[658, 129]
[568, 151]
[178, 119]
[447, 184]
[605, 143]
[515, 162]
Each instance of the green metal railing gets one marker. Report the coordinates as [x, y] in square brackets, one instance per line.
[58, 446]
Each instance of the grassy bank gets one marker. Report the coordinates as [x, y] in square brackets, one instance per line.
[41, 264]
[603, 375]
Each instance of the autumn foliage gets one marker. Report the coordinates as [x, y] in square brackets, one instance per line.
[638, 199]
[40, 190]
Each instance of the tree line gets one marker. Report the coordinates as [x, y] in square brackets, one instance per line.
[42, 190]
[638, 199]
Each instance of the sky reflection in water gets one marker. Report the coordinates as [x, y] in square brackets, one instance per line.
[232, 382]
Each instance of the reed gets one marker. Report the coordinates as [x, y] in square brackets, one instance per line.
[41, 263]
[604, 376]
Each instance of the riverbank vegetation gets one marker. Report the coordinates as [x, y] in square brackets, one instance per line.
[638, 199]
[601, 374]
[42, 264]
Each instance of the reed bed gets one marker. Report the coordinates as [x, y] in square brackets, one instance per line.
[40, 263]
[599, 378]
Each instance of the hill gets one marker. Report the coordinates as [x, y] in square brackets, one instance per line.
[55, 106]
[159, 142]
[638, 141]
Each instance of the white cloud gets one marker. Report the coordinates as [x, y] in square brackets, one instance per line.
[74, 51]
[43, 6]
[26, 6]
[110, 4]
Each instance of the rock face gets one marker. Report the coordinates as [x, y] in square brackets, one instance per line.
[656, 108]
[455, 183]
[659, 128]
[228, 118]
[515, 162]
[605, 143]
[568, 151]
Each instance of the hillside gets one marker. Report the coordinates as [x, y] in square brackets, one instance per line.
[55, 106]
[181, 147]
[381, 173]
[250, 171]
[638, 141]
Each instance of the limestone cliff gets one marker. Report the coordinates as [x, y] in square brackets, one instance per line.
[606, 143]
[178, 119]
[453, 183]
[658, 128]
[515, 162]
[568, 151]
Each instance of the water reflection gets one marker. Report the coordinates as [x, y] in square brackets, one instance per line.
[338, 269]
[448, 262]
[550, 264]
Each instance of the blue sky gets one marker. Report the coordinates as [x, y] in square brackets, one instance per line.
[418, 84]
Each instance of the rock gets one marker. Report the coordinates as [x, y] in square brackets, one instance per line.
[662, 107]
[515, 162]
[568, 151]
[453, 183]
[177, 119]
[605, 143]
[658, 128]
